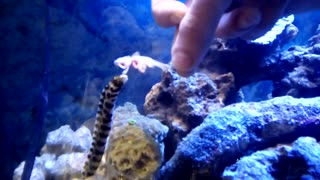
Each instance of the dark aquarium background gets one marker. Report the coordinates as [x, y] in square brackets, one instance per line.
[57, 55]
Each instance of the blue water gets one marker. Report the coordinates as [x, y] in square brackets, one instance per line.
[56, 56]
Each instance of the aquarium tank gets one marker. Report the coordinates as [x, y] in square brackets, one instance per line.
[88, 91]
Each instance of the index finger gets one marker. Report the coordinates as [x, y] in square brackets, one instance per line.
[195, 33]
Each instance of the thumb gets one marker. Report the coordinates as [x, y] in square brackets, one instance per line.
[168, 13]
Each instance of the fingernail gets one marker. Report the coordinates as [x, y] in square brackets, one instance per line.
[183, 64]
[249, 20]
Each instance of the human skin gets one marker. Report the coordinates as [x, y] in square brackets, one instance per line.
[198, 21]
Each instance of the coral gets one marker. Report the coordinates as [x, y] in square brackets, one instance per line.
[132, 154]
[300, 160]
[135, 148]
[127, 113]
[277, 29]
[238, 129]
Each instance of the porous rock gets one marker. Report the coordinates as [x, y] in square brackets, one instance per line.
[293, 161]
[293, 71]
[67, 166]
[65, 140]
[238, 129]
[183, 103]
[40, 166]
[63, 155]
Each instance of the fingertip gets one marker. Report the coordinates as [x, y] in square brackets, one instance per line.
[194, 34]
[237, 22]
[183, 64]
[184, 73]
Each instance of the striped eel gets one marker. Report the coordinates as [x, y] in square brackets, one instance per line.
[103, 124]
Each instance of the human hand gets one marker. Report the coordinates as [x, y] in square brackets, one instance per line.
[198, 21]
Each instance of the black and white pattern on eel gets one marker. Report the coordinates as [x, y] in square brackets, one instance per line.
[103, 124]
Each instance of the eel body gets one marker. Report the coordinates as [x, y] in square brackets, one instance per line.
[103, 124]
